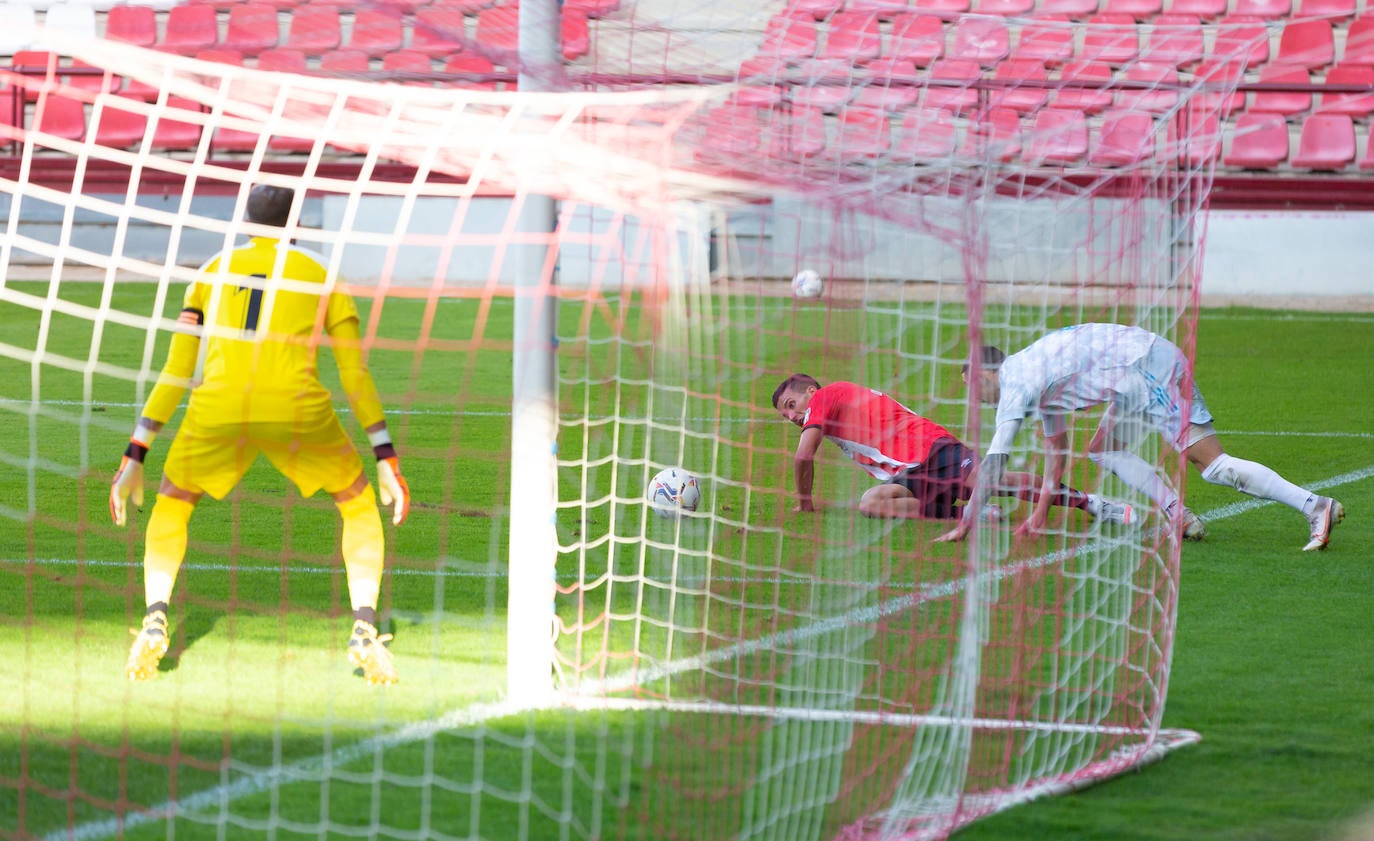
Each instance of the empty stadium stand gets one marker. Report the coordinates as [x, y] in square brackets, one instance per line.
[1048, 82]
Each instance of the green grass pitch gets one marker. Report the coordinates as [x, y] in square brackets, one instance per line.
[256, 704]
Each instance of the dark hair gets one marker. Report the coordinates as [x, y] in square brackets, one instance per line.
[269, 205]
[798, 381]
[991, 359]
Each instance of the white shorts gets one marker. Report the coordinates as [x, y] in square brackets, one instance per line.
[1150, 397]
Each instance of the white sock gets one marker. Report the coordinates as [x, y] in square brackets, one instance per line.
[1255, 479]
[1139, 474]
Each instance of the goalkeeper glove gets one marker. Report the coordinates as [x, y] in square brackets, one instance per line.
[128, 482]
[391, 485]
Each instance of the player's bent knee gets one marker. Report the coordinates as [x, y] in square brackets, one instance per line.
[360, 501]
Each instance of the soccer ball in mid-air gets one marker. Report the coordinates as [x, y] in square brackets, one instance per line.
[673, 491]
[807, 284]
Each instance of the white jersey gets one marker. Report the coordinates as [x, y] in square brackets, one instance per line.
[1078, 367]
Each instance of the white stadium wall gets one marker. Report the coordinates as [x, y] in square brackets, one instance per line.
[1248, 253]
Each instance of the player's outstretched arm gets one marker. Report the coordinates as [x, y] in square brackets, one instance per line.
[1056, 462]
[128, 479]
[392, 489]
[804, 467]
[361, 390]
[166, 396]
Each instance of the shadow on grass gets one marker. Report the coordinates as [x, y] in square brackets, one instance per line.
[195, 623]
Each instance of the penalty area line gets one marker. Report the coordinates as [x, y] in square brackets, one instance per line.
[319, 767]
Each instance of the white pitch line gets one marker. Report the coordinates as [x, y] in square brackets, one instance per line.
[313, 769]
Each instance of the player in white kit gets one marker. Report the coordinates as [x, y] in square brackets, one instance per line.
[1144, 381]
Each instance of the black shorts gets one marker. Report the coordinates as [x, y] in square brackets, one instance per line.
[940, 482]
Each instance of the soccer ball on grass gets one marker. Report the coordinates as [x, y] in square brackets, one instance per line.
[673, 491]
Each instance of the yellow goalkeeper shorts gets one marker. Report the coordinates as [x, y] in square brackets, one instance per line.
[313, 451]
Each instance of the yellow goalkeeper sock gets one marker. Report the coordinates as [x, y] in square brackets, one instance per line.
[164, 547]
[363, 547]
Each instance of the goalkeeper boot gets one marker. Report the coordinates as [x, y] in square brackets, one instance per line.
[366, 651]
[150, 644]
[1328, 513]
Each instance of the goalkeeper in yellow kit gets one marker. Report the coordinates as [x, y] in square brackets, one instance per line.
[262, 308]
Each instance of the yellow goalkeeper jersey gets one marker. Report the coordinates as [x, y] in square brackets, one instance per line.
[261, 357]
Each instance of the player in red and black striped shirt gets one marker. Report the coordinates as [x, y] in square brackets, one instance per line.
[925, 470]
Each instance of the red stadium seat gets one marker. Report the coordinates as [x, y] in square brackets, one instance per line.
[576, 35]
[925, 135]
[1058, 136]
[1088, 89]
[314, 29]
[980, 39]
[36, 65]
[1359, 104]
[885, 9]
[345, 61]
[472, 65]
[1330, 9]
[1359, 41]
[789, 37]
[1258, 141]
[825, 83]
[1076, 9]
[1126, 137]
[1047, 39]
[283, 60]
[1110, 38]
[1367, 162]
[862, 133]
[1243, 38]
[593, 9]
[1286, 102]
[798, 133]
[171, 133]
[1268, 9]
[1159, 91]
[220, 55]
[91, 78]
[1174, 39]
[376, 32]
[1005, 8]
[135, 25]
[1327, 142]
[1018, 97]
[918, 38]
[890, 85]
[944, 8]
[407, 61]
[1137, 9]
[818, 9]
[1203, 9]
[439, 30]
[252, 28]
[60, 116]
[1222, 74]
[118, 126]
[958, 95]
[995, 136]
[190, 29]
[1306, 43]
[854, 37]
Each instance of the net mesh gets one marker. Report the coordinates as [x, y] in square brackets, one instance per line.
[740, 670]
